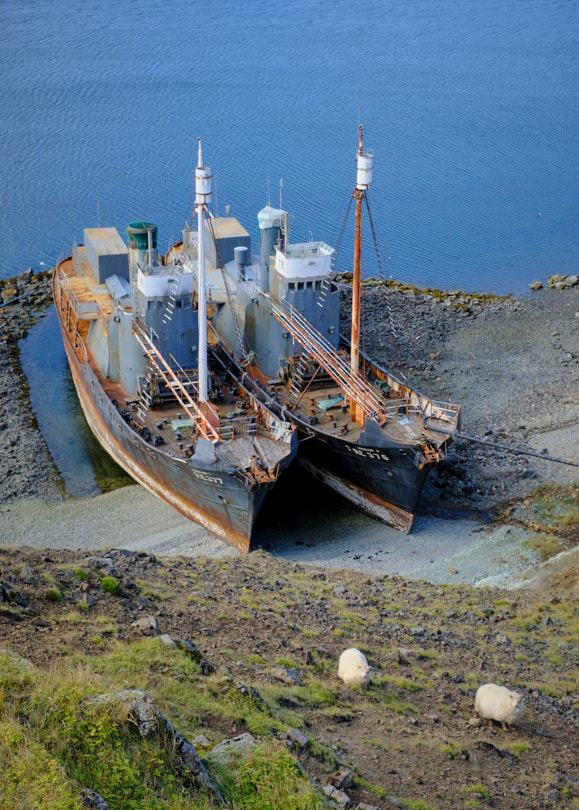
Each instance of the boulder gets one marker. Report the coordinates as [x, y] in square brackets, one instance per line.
[91, 800]
[148, 625]
[339, 796]
[233, 748]
[555, 280]
[151, 722]
[10, 594]
[192, 652]
[290, 677]
[301, 740]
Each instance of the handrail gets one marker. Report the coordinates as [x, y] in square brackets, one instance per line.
[357, 388]
[183, 396]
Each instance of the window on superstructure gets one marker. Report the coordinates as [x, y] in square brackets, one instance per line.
[318, 285]
[309, 285]
[300, 285]
[291, 286]
[179, 303]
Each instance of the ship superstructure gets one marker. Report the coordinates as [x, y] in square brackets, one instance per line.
[365, 433]
[153, 390]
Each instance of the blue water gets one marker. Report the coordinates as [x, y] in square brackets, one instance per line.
[84, 466]
[471, 109]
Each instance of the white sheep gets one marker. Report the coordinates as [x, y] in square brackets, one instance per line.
[353, 667]
[493, 702]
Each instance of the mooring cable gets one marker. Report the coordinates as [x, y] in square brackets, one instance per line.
[454, 434]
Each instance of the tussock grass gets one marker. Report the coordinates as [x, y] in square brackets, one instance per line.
[55, 738]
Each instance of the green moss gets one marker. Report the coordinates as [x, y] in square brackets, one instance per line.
[267, 778]
[55, 737]
[519, 748]
[111, 585]
[478, 789]
[53, 594]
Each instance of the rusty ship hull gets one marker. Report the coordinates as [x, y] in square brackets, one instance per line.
[224, 501]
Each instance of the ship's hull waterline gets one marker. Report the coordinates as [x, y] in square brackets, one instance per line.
[381, 481]
[219, 501]
[384, 480]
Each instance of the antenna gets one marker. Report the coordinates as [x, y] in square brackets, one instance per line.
[216, 203]
[268, 194]
[98, 212]
[280, 188]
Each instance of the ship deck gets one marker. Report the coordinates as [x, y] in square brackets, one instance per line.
[246, 440]
[337, 421]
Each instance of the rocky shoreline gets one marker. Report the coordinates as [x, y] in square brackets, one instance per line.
[27, 469]
[524, 393]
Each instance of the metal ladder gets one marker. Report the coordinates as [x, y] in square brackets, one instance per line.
[355, 387]
[298, 377]
[326, 284]
[170, 305]
[145, 399]
[182, 388]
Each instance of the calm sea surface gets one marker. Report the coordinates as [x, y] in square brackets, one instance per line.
[470, 108]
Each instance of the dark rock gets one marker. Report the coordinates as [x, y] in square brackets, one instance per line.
[91, 800]
[250, 692]
[290, 677]
[195, 655]
[10, 594]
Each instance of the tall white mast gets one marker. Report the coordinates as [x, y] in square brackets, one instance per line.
[202, 198]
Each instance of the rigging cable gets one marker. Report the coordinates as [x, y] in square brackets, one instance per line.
[498, 446]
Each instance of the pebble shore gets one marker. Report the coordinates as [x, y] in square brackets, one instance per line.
[512, 364]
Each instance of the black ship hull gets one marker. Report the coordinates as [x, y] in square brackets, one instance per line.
[385, 481]
[379, 476]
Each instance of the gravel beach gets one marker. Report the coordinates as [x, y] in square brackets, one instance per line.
[513, 365]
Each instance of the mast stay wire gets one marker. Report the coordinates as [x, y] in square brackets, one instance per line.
[401, 312]
[386, 298]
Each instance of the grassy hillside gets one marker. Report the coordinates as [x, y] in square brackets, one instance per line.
[268, 636]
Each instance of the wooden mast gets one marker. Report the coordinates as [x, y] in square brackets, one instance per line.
[356, 283]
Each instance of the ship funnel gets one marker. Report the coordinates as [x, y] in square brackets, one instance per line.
[142, 245]
[240, 254]
[271, 223]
